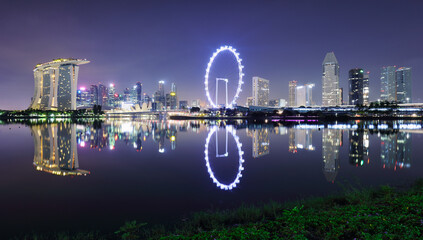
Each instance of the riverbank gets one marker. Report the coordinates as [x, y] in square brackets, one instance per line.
[382, 213]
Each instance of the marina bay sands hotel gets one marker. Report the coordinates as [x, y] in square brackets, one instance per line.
[56, 84]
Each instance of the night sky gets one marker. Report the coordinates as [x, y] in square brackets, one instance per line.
[148, 41]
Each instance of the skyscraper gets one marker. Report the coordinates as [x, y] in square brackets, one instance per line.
[260, 92]
[94, 95]
[388, 84]
[292, 89]
[330, 81]
[403, 83]
[366, 90]
[111, 96]
[173, 101]
[304, 95]
[138, 93]
[355, 80]
[56, 84]
[102, 95]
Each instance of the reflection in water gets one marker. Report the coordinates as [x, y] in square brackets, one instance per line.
[55, 149]
[331, 142]
[395, 150]
[56, 144]
[359, 147]
[232, 131]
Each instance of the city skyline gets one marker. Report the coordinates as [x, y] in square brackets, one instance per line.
[150, 48]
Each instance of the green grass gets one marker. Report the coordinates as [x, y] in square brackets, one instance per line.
[382, 213]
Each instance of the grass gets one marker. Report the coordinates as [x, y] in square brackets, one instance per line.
[382, 213]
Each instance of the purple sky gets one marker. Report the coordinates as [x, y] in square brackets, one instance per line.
[148, 41]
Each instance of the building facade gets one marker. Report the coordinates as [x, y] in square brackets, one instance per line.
[355, 81]
[388, 84]
[291, 97]
[56, 84]
[330, 81]
[260, 92]
[403, 83]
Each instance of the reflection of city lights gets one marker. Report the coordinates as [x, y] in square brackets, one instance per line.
[82, 144]
[172, 138]
[135, 145]
[161, 150]
[112, 147]
[231, 130]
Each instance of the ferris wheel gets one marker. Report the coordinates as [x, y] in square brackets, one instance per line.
[240, 76]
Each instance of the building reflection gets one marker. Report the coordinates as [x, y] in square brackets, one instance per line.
[359, 147]
[261, 142]
[395, 150]
[300, 139]
[55, 149]
[331, 142]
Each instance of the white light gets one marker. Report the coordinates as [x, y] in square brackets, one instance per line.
[240, 67]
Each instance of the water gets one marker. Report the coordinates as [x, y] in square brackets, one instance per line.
[70, 177]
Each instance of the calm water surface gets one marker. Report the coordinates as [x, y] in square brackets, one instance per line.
[59, 177]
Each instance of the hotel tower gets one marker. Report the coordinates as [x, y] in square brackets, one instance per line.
[55, 84]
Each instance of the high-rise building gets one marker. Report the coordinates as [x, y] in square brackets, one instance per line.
[249, 101]
[304, 95]
[292, 89]
[183, 104]
[388, 86]
[260, 92]
[278, 103]
[403, 82]
[111, 95]
[366, 90]
[94, 95]
[126, 95]
[102, 95]
[56, 84]
[173, 101]
[330, 81]
[355, 80]
[138, 93]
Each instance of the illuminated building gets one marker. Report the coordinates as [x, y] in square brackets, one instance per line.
[366, 90]
[292, 89]
[303, 95]
[331, 142]
[111, 96]
[93, 95]
[355, 80]
[126, 95]
[196, 103]
[183, 104]
[55, 149]
[260, 92]
[173, 98]
[330, 81]
[278, 103]
[102, 95]
[388, 86]
[249, 101]
[261, 142]
[403, 82]
[138, 93]
[56, 84]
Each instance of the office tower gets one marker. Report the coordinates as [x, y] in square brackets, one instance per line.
[277, 103]
[366, 90]
[126, 95]
[134, 94]
[309, 94]
[173, 101]
[388, 86]
[146, 98]
[355, 80]
[292, 89]
[93, 95]
[403, 82]
[78, 98]
[111, 96]
[138, 93]
[260, 92]
[85, 97]
[55, 84]
[55, 149]
[102, 95]
[330, 81]
[331, 141]
[261, 142]
[300, 96]
[183, 104]
[249, 101]
[196, 103]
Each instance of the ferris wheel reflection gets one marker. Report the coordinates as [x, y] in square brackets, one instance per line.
[229, 130]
